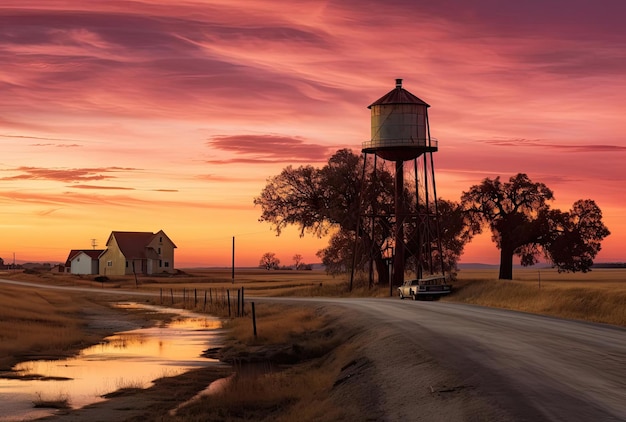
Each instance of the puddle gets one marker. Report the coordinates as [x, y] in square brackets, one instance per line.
[131, 359]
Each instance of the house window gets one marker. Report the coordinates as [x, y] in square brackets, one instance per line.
[77, 259]
[159, 251]
[160, 263]
[167, 264]
[160, 239]
[109, 263]
[126, 264]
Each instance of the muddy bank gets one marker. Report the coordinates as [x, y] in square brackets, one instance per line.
[103, 320]
[150, 404]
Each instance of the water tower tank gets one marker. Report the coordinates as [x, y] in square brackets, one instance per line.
[400, 129]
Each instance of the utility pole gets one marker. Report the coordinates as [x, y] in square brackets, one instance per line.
[233, 261]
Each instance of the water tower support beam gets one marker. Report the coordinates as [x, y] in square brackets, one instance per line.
[398, 260]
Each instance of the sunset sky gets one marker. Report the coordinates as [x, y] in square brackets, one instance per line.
[149, 115]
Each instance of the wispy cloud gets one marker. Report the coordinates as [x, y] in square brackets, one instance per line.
[47, 211]
[74, 143]
[537, 143]
[267, 149]
[225, 178]
[57, 145]
[95, 187]
[65, 175]
[65, 199]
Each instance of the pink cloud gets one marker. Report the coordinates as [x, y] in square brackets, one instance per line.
[66, 199]
[530, 143]
[225, 178]
[267, 149]
[65, 175]
[99, 187]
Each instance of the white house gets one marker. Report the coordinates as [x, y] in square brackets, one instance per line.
[84, 261]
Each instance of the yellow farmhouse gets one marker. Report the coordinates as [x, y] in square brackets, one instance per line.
[137, 253]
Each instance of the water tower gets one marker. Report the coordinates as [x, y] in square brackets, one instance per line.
[401, 133]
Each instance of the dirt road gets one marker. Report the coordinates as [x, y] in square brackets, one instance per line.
[444, 361]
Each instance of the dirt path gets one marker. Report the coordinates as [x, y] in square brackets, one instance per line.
[393, 378]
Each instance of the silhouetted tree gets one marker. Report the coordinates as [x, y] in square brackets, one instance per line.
[522, 224]
[326, 201]
[570, 240]
[269, 261]
[297, 260]
[454, 233]
[318, 200]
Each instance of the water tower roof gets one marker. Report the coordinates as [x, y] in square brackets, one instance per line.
[398, 96]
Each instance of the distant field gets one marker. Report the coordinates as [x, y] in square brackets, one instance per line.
[599, 295]
[257, 282]
[602, 278]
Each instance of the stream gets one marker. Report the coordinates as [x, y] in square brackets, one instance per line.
[129, 359]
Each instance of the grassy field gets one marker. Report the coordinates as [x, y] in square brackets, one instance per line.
[597, 296]
[283, 374]
[36, 323]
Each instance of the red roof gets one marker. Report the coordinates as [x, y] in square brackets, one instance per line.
[92, 253]
[398, 96]
[134, 245]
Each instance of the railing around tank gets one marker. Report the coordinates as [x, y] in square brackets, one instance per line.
[388, 143]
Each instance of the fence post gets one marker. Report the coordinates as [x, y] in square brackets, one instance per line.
[172, 295]
[238, 303]
[253, 319]
[228, 299]
[243, 312]
[161, 295]
[195, 297]
[211, 295]
[204, 307]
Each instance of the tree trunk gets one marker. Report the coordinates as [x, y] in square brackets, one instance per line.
[382, 270]
[506, 263]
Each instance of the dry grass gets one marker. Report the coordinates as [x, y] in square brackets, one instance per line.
[256, 282]
[62, 401]
[36, 322]
[268, 389]
[598, 296]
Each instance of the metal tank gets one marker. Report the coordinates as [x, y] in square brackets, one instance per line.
[399, 122]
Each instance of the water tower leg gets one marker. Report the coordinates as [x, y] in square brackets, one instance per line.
[398, 261]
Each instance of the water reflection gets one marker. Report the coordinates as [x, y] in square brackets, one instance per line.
[132, 359]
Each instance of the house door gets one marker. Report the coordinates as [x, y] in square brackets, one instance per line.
[149, 265]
